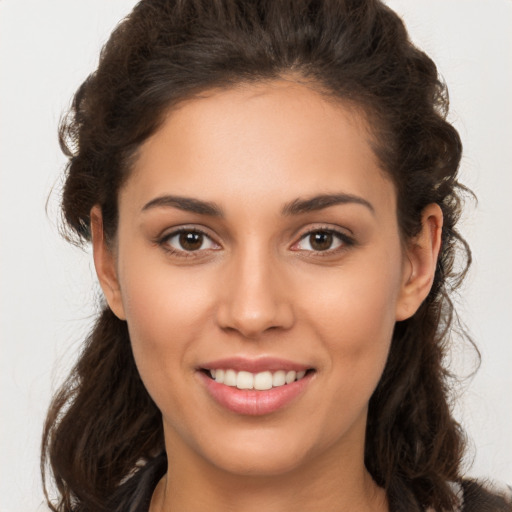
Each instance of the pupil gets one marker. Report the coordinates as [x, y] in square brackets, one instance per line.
[191, 241]
[321, 241]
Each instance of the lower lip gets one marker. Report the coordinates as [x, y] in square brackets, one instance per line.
[252, 402]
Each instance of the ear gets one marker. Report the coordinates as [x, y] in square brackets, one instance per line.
[420, 262]
[104, 261]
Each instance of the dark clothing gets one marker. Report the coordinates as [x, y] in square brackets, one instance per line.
[135, 494]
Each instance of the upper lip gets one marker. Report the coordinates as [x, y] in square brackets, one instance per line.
[254, 365]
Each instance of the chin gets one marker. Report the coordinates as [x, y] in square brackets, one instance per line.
[268, 452]
[260, 463]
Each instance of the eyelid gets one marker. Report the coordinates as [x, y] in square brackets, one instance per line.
[345, 239]
[163, 239]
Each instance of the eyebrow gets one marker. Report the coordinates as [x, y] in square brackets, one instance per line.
[320, 202]
[295, 207]
[187, 204]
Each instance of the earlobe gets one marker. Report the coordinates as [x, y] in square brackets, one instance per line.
[104, 262]
[421, 262]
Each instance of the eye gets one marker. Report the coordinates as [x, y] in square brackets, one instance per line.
[322, 240]
[188, 240]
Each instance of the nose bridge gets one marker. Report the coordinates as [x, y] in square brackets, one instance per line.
[254, 298]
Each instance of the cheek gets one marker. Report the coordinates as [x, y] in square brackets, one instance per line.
[160, 300]
[359, 342]
[357, 299]
[354, 316]
[166, 309]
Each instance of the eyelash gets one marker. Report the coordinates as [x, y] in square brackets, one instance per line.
[164, 242]
[345, 242]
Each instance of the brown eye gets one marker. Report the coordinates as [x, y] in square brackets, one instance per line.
[188, 240]
[321, 240]
[191, 240]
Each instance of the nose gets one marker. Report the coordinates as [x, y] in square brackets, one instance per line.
[255, 297]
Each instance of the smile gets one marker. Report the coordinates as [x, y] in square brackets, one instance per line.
[261, 381]
[255, 390]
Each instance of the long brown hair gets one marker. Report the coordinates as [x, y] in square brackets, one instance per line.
[102, 423]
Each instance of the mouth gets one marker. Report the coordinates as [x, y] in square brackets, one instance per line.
[255, 387]
[261, 381]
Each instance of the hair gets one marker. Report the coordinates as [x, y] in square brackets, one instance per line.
[102, 423]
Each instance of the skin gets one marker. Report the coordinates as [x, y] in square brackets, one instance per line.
[256, 288]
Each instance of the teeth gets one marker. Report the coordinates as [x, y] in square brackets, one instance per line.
[263, 381]
[219, 376]
[230, 378]
[279, 378]
[245, 380]
[259, 381]
[291, 376]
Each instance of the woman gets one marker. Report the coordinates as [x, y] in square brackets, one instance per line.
[270, 188]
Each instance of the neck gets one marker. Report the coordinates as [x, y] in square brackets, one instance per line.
[328, 484]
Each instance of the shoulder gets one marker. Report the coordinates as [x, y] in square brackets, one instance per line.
[485, 496]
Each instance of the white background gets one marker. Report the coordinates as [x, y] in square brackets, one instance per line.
[47, 288]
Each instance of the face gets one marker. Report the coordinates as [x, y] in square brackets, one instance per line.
[258, 244]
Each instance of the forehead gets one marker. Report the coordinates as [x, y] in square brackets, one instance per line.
[277, 140]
